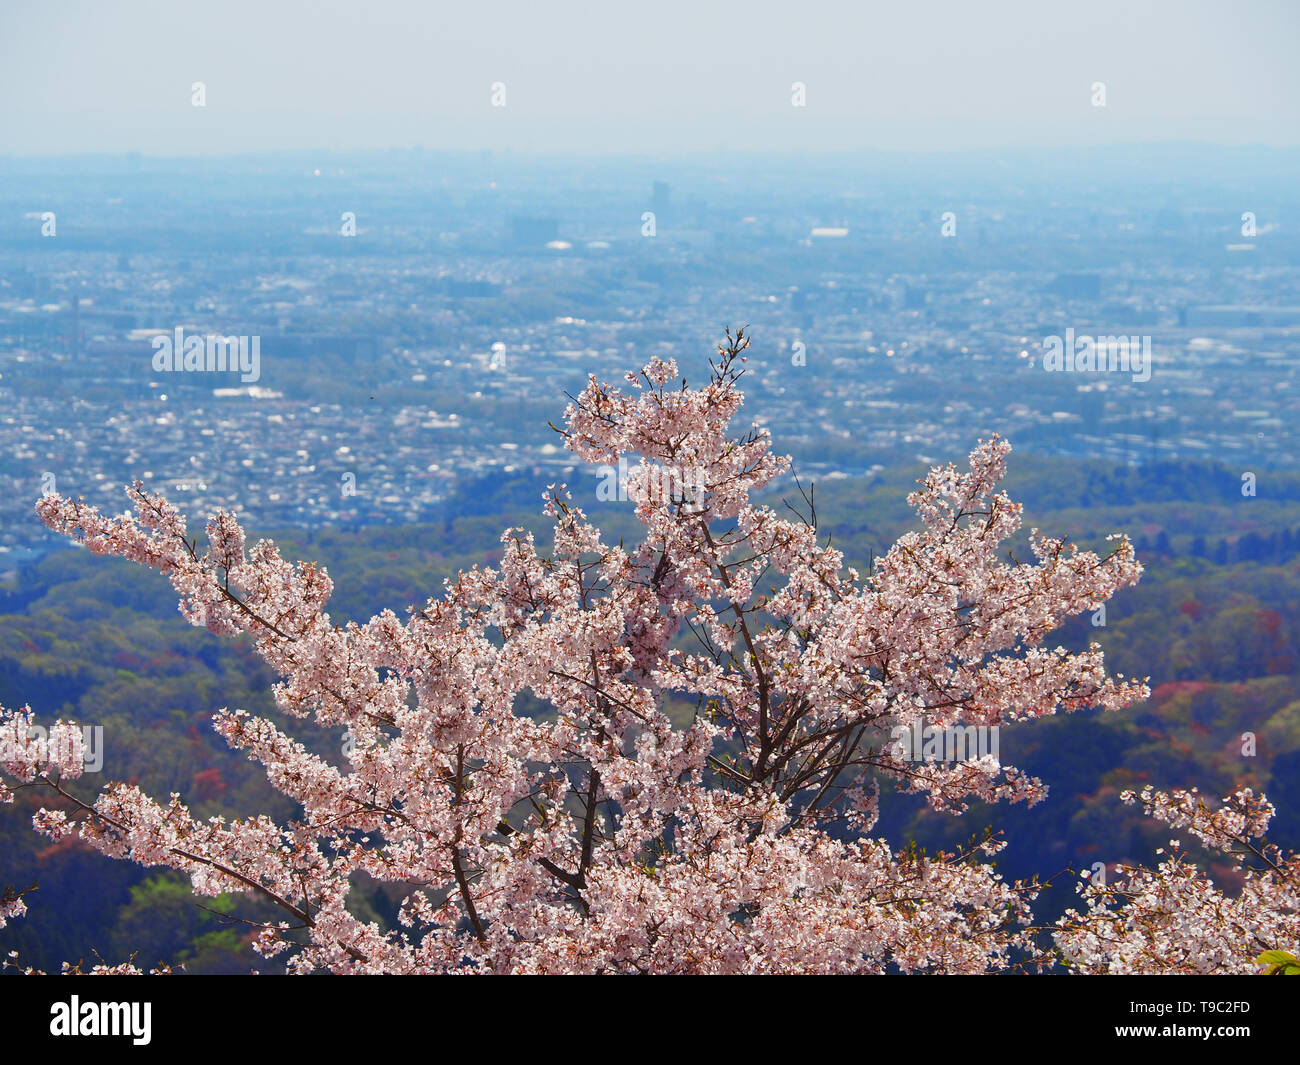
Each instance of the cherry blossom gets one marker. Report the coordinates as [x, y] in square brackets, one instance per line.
[1173, 919]
[604, 835]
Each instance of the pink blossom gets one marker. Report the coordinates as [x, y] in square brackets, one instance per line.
[603, 837]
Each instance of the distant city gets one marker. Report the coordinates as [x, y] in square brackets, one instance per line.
[417, 318]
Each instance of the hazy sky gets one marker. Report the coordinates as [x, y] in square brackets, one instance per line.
[662, 77]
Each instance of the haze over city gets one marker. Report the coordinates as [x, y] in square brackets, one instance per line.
[590, 78]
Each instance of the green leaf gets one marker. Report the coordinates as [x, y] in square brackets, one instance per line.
[1279, 962]
[1275, 957]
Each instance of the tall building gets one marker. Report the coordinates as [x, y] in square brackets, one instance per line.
[661, 201]
[1077, 286]
[533, 231]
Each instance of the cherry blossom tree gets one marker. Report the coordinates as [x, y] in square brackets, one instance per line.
[1172, 919]
[600, 836]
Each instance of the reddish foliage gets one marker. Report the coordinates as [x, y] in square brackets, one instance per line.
[208, 783]
[1270, 621]
[63, 846]
[1171, 689]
